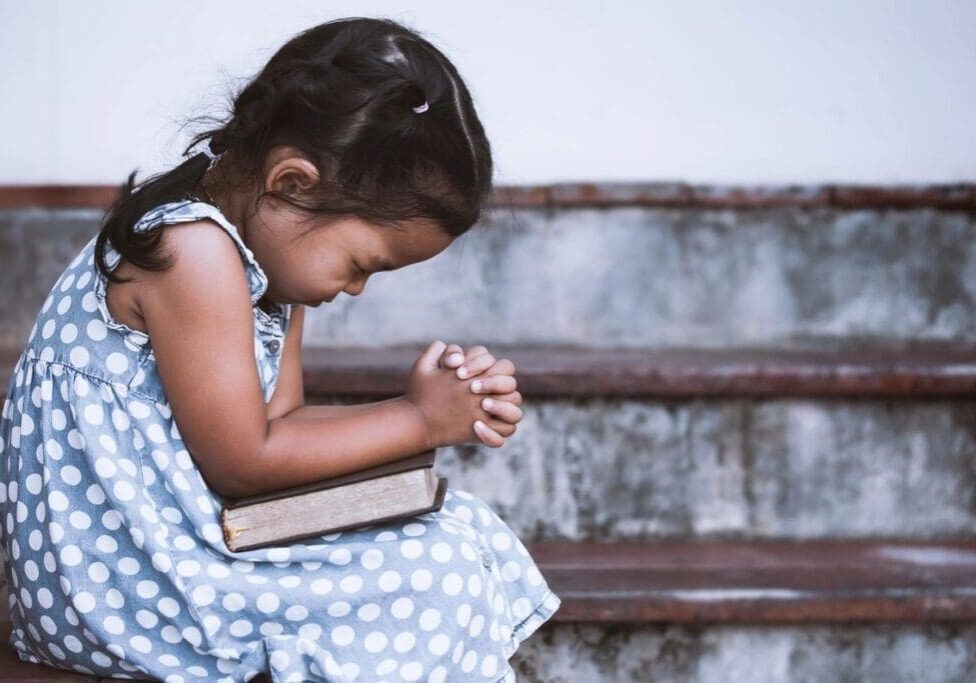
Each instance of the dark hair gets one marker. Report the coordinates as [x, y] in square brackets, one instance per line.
[342, 92]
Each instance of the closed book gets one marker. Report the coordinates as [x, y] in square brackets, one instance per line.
[394, 490]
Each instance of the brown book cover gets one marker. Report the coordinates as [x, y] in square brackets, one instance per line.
[423, 459]
[394, 490]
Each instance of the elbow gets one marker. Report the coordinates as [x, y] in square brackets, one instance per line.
[237, 478]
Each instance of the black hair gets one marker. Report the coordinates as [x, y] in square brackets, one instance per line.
[342, 92]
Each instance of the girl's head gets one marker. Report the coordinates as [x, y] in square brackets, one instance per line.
[326, 167]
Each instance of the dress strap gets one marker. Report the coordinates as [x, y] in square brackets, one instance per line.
[186, 210]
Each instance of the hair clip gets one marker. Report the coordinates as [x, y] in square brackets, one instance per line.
[422, 108]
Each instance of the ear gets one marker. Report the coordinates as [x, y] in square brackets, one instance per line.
[291, 171]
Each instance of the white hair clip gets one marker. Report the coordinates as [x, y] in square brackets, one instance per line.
[422, 108]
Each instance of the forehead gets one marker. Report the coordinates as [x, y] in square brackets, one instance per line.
[405, 243]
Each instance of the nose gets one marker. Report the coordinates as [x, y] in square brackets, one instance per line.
[356, 288]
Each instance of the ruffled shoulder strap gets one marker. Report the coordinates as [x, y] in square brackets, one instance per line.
[187, 210]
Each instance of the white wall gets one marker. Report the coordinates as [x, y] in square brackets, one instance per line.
[728, 92]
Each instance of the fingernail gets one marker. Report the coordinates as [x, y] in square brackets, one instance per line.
[462, 372]
[476, 386]
[478, 424]
[487, 403]
[457, 358]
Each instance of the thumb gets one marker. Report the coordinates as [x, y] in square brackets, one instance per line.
[430, 357]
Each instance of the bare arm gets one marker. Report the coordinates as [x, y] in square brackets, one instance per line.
[289, 394]
[200, 320]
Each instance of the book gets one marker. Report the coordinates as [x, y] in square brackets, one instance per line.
[393, 490]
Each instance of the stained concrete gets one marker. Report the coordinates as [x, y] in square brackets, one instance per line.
[631, 469]
[630, 277]
[854, 653]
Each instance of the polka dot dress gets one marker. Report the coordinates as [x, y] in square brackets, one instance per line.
[116, 561]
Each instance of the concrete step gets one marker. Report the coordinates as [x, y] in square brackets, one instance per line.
[893, 457]
[752, 583]
[762, 581]
[624, 276]
[882, 372]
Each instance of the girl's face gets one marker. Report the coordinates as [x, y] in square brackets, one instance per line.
[318, 265]
[310, 264]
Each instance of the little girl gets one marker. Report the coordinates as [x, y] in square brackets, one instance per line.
[163, 374]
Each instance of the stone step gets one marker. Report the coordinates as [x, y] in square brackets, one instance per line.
[762, 581]
[878, 372]
[630, 468]
[612, 274]
[754, 583]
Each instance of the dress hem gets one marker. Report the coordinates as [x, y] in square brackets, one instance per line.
[542, 612]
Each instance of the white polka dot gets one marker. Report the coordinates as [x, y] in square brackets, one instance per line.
[421, 580]
[369, 612]
[71, 475]
[94, 415]
[411, 671]
[430, 619]
[375, 641]
[268, 602]
[79, 356]
[340, 556]
[96, 330]
[138, 409]
[64, 305]
[501, 540]
[114, 625]
[511, 571]
[489, 665]
[140, 644]
[71, 555]
[452, 583]
[439, 644]
[343, 635]
[469, 661]
[351, 584]
[296, 613]
[372, 558]
[389, 581]
[58, 501]
[477, 623]
[339, 608]
[402, 607]
[463, 615]
[441, 552]
[117, 362]
[123, 490]
[404, 641]
[104, 467]
[147, 589]
[69, 333]
[521, 608]
[411, 549]
[168, 607]
[233, 602]
[321, 586]
[533, 575]
[84, 602]
[414, 529]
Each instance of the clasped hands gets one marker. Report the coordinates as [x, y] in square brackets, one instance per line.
[497, 382]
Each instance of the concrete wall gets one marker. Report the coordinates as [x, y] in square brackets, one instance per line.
[752, 91]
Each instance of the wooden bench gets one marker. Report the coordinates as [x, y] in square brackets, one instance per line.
[748, 582]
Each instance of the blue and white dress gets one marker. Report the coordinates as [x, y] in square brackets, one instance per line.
[117, 565]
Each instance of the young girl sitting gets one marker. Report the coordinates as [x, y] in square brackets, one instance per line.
[163, 374]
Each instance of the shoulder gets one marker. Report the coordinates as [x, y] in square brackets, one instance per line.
[205, 267]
